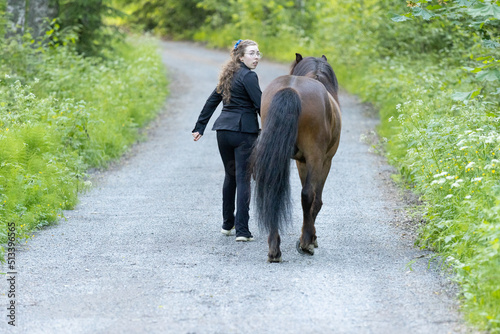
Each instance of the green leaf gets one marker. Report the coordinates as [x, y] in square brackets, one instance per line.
[488, 75]
[469, 69]
[488, 43]
[400, 18]
[463, 3]
[465, 96]
[434, 7]
[424, 13]
[485, 9]
[475, 70]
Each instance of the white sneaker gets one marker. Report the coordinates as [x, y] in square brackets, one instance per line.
[226, 232]
[245, 239]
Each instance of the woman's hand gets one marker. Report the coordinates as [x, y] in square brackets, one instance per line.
[196, 136]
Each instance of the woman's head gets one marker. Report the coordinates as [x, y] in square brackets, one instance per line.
[247, 52]
[244, 51]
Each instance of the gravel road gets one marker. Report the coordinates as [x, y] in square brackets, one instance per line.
[142, 252]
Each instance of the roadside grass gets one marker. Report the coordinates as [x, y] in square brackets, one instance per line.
[446, 148]
[447, 152]
[60, 114]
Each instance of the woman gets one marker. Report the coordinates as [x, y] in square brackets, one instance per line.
[237, 129]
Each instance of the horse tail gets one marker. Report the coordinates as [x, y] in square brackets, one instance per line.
[271, 161]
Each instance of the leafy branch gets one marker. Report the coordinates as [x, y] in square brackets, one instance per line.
[482, 18]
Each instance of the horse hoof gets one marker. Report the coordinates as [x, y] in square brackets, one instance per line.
[299, 249]
[308, 251]
[315, 243]
[274, 259]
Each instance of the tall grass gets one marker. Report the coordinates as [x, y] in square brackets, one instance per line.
[60, 114]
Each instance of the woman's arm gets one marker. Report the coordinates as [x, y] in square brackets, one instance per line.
[251, 84]
[208, 110]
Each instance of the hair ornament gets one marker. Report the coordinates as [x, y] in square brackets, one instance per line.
[237, 43]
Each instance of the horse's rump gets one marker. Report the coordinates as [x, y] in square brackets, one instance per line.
[319, 121]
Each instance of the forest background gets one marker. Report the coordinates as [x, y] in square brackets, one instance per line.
[431, 68]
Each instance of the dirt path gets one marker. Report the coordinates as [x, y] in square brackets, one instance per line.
[142, 253]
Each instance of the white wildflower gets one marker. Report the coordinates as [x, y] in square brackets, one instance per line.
[398, 106]
[468, 197]
[463, 148]
[477, 179]
[7, 76]
[456, 184]
[441, 174]
[440, 181]
[448, 196]
[470, 165]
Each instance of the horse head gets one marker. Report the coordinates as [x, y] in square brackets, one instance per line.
[318, 69]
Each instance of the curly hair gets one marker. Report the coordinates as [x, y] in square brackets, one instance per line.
[230, 68]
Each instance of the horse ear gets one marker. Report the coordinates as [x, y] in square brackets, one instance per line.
[324, 57]
[298, 57]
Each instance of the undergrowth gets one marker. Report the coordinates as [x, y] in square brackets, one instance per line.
[60, 114]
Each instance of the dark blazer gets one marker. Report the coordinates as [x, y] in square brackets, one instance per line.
[240, 114]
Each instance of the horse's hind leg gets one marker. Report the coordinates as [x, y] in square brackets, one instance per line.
[313, 177]
[319, 194]
[310, 208]
[274, 241]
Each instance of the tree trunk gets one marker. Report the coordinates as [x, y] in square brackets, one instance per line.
[16, 12]
[40, 13]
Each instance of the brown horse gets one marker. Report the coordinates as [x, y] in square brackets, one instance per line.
[301, 120]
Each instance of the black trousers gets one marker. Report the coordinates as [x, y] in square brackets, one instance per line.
[235, 149]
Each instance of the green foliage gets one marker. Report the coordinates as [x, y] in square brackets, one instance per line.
[482, 19]
[3, 22]
[61, 113]
[175, 18]
[86, 19]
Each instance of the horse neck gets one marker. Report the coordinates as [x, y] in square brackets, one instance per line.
[315, 72]
[330, 87]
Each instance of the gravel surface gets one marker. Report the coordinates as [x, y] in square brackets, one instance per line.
[142, 252]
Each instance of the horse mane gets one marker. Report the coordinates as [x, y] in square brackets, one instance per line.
[319, 69]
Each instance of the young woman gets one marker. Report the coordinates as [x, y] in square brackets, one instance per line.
[237, 129]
